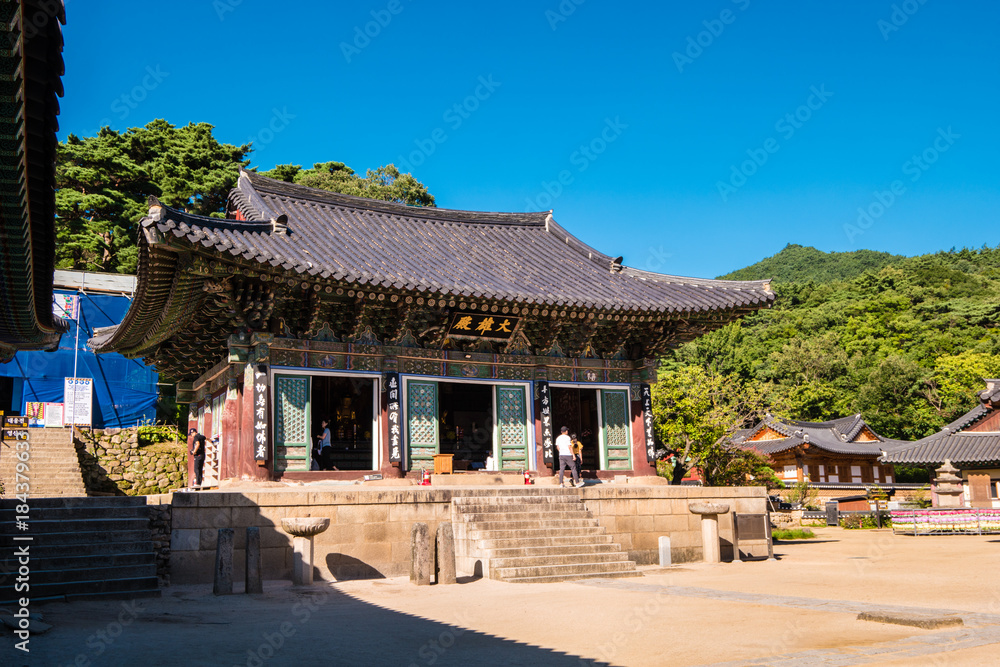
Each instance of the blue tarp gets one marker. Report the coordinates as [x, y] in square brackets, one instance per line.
[125, 390]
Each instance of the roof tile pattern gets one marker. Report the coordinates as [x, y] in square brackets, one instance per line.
[523, 257]
[834, 436]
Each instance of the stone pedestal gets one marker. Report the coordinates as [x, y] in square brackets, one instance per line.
[303, 529]
[948, 486]
[710, 528]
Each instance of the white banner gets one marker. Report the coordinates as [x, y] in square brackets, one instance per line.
[78, 396]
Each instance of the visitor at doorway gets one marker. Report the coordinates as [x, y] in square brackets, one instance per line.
[565, 447]
[197, 449]
[577, 454]
[324, 446]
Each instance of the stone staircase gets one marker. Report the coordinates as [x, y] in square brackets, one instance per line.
[81, 548]
[540, 536]
[53, 465]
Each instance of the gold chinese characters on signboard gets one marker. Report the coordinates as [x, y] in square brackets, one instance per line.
[495, 327]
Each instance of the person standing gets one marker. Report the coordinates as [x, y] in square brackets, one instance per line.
[577, 454]
[197, 449]
[324, 444]
[565, 448]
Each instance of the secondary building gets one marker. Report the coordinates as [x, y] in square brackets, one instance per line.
[409, 332]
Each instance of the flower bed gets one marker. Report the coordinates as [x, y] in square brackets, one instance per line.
[950, 521]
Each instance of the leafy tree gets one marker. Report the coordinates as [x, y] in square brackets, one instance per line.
[695, 411]
[103, 183]
[385, 183]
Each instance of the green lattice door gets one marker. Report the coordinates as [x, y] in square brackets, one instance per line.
[422, 424]
[615, 419]
[512, 430]
[291, 422]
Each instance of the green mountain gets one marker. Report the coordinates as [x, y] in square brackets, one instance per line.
[797, 263]
[905, 341]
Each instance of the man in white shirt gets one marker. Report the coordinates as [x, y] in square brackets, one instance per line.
[564, 445]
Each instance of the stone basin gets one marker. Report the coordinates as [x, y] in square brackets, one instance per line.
[305, 526]
[708, 508]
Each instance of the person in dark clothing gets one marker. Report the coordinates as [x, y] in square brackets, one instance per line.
[197, 450]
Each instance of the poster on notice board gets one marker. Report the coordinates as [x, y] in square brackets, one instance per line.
[78, 396]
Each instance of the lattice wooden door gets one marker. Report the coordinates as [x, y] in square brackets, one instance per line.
[512, 430]
[615, 418]
[422, 424]
[292, 443]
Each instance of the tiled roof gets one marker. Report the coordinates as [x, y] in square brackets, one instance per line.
[833, 436]
[515, 256]
[31, 65]
[963, 449]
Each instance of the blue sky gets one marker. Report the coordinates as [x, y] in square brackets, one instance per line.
[693, 138]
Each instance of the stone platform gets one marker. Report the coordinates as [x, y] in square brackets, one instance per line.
[370, 526]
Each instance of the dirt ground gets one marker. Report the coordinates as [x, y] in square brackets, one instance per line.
[798, 610]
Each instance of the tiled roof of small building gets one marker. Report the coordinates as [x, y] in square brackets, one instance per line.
[953, 442]
[516, 256]
[834, 436]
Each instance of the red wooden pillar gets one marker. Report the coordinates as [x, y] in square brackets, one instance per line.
[640, 466]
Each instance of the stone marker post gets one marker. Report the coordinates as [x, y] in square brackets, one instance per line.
[224, 563]
[664, 550]
[420, 555]
[446, 555]
[254, 576]
[710, 528]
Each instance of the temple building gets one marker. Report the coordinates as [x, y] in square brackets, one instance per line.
[971, 443]
[411, 332]
[837, 454]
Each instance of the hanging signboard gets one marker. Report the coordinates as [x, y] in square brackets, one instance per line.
[546, 413]
[65, 306]
[78, 396]
[647, 422]
[260, 414]
[489, 327]
[393, 415]
[35, 412]
[53, 415]
[14, 428]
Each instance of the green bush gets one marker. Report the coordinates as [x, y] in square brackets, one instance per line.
[864, 521]
[154, 434]
[793, 534]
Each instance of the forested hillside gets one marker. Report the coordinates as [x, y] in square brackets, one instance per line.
[904, 341]
[797, 263]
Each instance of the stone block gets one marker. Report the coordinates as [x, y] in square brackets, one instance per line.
[191, 567]
[208, 537]
[374, 532]
[186, 517]
[276, 562]
[185, 539]
[274, 537]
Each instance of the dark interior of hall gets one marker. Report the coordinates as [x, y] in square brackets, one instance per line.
[347, 404]
[576, 409]
[465, 412]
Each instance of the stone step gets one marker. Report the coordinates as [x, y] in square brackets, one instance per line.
[92, 573]
[73, 524]
[85, 537]
[565, 559]
[84, 501]
[80, 588]
[528, 533]
[548, 579]
[545, 515]
[88, 512]
[555, 496]
[556, 550]
[528, 542]
[102, 549]
[477, 512]
[570, 570]
[80, 561]
[537, 523]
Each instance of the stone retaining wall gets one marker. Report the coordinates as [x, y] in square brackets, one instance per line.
[369, 534]
[160, 520]
[113, 462]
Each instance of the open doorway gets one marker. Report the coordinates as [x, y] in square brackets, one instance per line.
[347, 405]
[576, 409]
[466, 423]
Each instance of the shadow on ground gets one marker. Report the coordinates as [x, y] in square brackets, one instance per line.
[320, 625]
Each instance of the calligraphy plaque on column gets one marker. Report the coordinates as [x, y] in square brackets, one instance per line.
[391, 388]
[647, 422]
[261, 414]
[545, 399]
